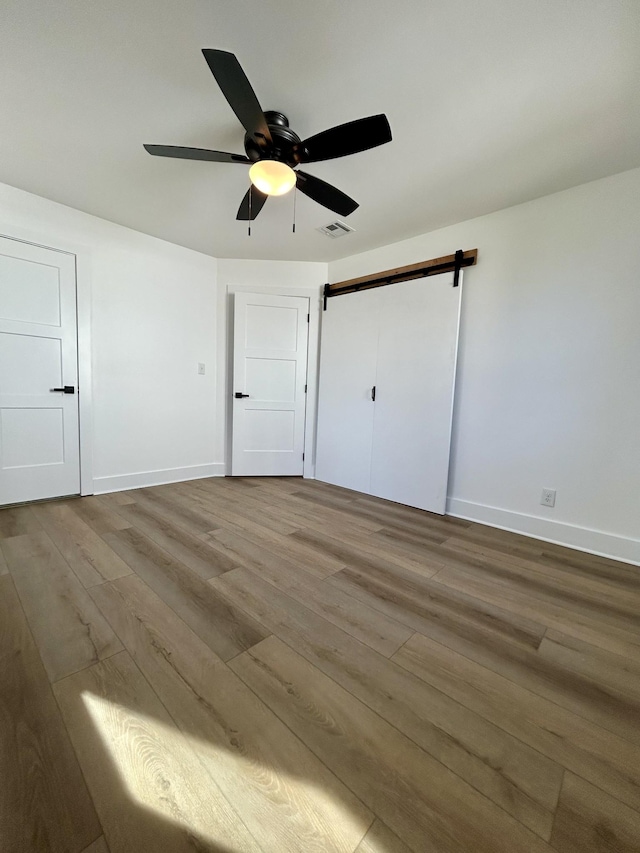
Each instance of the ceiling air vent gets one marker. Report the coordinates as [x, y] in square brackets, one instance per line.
[336, 229]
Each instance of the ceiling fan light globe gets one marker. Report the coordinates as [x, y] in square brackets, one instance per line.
[272, 177]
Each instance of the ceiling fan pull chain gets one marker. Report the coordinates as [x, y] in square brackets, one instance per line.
[295, 196]
[250, 197]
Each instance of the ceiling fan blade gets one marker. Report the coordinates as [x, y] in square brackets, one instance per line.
[325, 194]
[257, 203]
[238, 91]
[349, 138]
[195, 154]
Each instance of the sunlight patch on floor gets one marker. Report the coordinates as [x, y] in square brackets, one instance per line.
[163, 770]
[160, 771]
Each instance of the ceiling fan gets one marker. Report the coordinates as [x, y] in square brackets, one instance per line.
[274, 150]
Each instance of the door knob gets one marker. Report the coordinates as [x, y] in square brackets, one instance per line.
[68, 389]
[239, 395]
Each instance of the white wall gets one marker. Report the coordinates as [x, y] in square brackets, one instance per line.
[548, 390]
[153, 318]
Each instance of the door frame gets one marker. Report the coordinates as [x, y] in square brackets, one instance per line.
[82, 257]
[225, 378]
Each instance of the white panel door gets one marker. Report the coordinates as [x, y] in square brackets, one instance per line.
[39, 437]
[418, 342]
[270, 371]
[348, 356]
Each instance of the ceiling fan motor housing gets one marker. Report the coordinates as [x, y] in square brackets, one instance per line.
[286, 146]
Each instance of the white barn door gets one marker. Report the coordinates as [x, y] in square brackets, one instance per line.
[403, 340]
[269, 384]
[417, 347]
[39, 435]
[349, 354]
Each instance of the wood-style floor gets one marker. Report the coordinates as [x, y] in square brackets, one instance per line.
[280, 665]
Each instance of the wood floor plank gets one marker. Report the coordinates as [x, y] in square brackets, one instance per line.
[88, 555]
[583, 747]
[318, 517]
[16, 521]
[616, 584]
[70, 632]
[592, 566]
[238, 512]
[422, 605]
[417, 532]
[599, 598]
[302, 483]
[100, 518]
[226, 629]
[539, 581]
[147, 782]
[371, 627]
[311, 560]
[308, 513]
[435, 609]
[286, 796]
[380, 839]
[423, 802]
[372, 545]
[237, 484]
[269, 506]
[174, 510]
[4, 568]
[271, 485]
[409, 546]
[589, 821]
[199, 555]
[44, 803]
[567, 686]
[286, 507]
[446, 524]
[318, 497]
[568, 554]
[503, 540]
[616, 673]
[357, 548]
[249, 551]
[500, 767]
[509, 545]
[98, 846]
[592, 627]
[113, 500]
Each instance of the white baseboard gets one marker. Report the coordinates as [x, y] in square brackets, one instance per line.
[122, 482]
[560, 533]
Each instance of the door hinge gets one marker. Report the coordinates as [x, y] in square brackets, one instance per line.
[305, 389]
[308, 317]
[303, 457]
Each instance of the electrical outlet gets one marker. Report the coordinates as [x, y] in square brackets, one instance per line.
[201, 368]
[548, 497]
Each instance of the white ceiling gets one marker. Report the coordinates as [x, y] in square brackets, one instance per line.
[491, 103]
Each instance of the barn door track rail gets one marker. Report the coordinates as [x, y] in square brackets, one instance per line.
[448, 263]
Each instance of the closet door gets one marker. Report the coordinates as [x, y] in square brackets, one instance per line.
[347, 375]
[418, 342]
